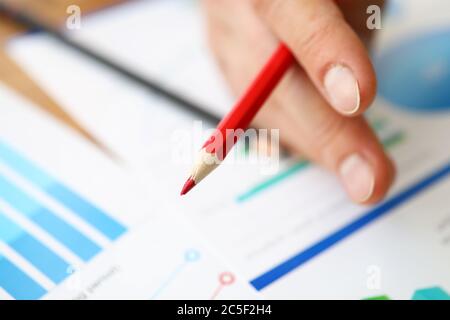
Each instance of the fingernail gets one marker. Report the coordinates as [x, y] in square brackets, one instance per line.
[358, 178]
[343, 89]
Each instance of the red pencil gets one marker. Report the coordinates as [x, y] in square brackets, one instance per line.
[239, 118]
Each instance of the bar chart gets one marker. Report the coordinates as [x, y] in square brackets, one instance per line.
[19, 244]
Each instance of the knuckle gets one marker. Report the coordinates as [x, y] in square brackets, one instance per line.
[312, 43]
[327, 134]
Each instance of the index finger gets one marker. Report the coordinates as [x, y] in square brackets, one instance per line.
[329, 50]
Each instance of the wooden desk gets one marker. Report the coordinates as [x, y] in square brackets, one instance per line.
[54, 13]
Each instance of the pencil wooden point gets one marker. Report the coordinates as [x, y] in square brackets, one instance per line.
[190, 183]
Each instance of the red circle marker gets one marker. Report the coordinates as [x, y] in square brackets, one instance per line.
[226, 278]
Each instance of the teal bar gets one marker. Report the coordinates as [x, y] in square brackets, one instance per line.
[433, 293]
[378, 124]
[391, 141]
[273, 181]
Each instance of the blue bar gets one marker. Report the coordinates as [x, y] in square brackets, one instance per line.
[78, 243]
[93, 215]
[33, 250]
[301, 258]
[17, 284]
[58, 228]
[50, 264]
[85, 210]
[19, 164]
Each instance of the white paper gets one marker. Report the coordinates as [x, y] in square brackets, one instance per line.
[153, 254]
[404, 250]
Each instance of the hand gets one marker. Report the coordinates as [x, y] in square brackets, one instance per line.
[319, 104]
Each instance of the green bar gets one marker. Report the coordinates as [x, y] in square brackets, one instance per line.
[378, 124]
[384, 297]
[394, 140]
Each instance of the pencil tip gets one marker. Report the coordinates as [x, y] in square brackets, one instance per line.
[190, 183]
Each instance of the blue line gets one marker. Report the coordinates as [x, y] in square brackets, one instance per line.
[168, 280]
[190, 255]
[301, 258]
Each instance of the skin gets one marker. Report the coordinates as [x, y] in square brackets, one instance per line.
[321, 34]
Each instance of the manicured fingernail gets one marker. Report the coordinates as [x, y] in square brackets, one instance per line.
[358, 178]
[343, 89]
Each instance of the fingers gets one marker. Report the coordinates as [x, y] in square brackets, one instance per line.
[308, 125]
[327, 48]
[346, 146]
